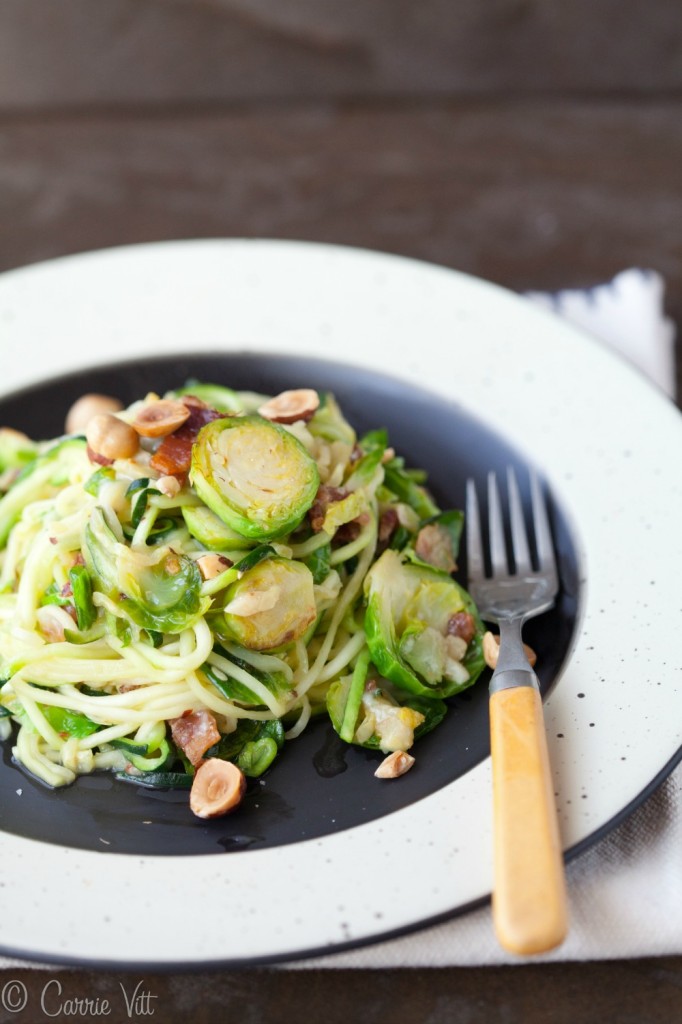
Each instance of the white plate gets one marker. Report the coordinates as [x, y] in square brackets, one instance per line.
[608, 443]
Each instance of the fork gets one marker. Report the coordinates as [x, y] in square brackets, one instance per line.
[529, 894]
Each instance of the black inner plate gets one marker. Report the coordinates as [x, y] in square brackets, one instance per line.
[318, 785]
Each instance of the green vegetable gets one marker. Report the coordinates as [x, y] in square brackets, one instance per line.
[96, 632]
[53, 595]
[218, 397]
[270, 606]
[164, 597]
[319, 562]
[345, 705]
[253, 746]
[73, 723]
[374, 440]
[100, 552]
[255, 475]
[139, 493]
[158, 780]
[256, 756]
[364, 470]
[329, 422]
[16, 450]
[354, 699]
[160, 592]
[100, 477]
[402, 484]
[206, 527]
[81, 586]
[140, 755]
[40, 479]
[231, 688]
[161, 529]
[408, 610]
[400, 538]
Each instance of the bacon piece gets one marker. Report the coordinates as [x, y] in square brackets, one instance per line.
[348, 532]
[194, 733]
[173, 457]
[323, 499]
[462, 624]
[388, 524]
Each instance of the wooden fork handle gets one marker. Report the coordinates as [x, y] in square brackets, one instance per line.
[529, 898]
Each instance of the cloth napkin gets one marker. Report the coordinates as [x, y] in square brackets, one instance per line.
[625, 893]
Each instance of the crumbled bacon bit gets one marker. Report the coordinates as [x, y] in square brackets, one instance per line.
[194, 733]
[348, 532]
[66, 590]
[323, 499]
[462, 624]
[388, 524]
[173, 457]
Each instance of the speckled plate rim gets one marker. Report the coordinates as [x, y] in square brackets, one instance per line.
[540, 383]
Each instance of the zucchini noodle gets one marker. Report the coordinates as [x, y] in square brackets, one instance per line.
[207, 596]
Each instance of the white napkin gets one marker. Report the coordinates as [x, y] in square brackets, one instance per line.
[626, 313]
[625, 893]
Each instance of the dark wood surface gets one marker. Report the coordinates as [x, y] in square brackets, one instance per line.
[533, 143]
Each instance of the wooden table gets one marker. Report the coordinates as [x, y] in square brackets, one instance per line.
[532, 143]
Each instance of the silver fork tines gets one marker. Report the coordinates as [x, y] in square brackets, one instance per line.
[526, 591]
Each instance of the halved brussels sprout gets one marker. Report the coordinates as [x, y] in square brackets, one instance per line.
[255, 475]
[165, 597]
[409, 611]
[160, 592]
[270, 606]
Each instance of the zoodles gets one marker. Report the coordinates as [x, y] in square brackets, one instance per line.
[193, 578]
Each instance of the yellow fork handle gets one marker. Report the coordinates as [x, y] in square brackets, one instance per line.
[529, 898]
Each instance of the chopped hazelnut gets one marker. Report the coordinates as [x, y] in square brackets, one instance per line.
[218, 788]
[394, 765]
[109, 437]
[86, 407]
[213, 565]
[158, 419]
[168, 485]
[290, 406]
[491, 650]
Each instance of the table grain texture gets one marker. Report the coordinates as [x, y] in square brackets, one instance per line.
[532, 143]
